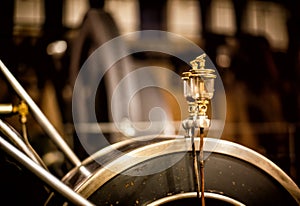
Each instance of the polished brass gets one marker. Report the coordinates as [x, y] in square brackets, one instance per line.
[22, 110]
[198, 88]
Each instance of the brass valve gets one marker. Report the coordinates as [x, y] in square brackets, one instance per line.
[10, 109]
[22, 109]
[198, 89]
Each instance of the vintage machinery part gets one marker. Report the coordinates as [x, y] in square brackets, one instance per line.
[43, 174]
[39, 115]
[234, 174]
[15, 137]
[24, 154]
[198, 90]
[231, 170]
[192, 197]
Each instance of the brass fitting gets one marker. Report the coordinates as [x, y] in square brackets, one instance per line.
[22, 110]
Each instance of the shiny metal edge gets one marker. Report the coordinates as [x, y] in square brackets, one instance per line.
[194, 195]
[232, 149]
[111, 148]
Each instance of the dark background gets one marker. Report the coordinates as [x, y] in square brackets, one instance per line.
[266, 73]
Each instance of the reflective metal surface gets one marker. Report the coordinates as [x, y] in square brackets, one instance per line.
[184, 197]
[39, 115]
[149, 169]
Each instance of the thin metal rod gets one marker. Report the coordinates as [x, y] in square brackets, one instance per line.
[16, 139]
[201, 159]
[44, 175]
[40, 117]
[195, 162]
[26, 141]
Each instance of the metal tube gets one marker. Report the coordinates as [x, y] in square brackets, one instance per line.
[41, 118]
[6, 108]
[12, 135]
[44, 175]
[195, 163]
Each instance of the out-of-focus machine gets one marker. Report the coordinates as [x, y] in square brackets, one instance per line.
[157, 169]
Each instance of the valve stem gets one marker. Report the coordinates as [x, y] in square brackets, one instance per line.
[198, 89]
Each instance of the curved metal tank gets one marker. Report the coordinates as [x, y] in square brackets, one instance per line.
[158, 171]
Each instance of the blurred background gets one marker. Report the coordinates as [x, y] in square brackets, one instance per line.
[254, 45]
